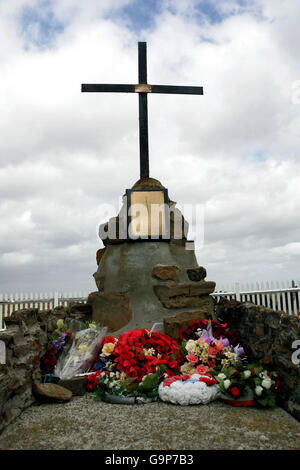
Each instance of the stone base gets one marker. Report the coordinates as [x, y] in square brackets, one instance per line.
[140, 283]
[172, 325]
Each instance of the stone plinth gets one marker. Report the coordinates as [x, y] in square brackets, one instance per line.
[137, 289]
[142, 282]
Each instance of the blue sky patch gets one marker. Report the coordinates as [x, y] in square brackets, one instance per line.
[39, 25]
[139, 14]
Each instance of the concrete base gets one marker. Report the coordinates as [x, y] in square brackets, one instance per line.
[127, 269]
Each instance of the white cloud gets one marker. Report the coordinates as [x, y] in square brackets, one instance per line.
[64, 153]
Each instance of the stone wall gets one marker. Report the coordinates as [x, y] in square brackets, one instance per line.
[267, 336]
[26, 342]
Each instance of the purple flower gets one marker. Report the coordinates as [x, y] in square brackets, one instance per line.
[239, 350]
[57, 344]
[62, 336]
[225, 342]
[206, 336]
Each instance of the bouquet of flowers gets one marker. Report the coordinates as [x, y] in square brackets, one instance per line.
[116, 383]
[251, 381]
[81, 355]
[134, 364]
[105, 359]
[264, 385]
[234, 382]
[60, 340]
[209, 351]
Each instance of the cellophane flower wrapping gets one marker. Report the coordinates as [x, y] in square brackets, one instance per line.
[82, 353]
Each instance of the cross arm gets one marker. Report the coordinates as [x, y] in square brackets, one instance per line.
[142, 88]
[93, 87]
[178, 90]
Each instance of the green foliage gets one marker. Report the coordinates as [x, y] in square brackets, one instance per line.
[149, 382]
[182, 348]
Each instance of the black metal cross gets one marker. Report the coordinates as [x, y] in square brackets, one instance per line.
[143, 88]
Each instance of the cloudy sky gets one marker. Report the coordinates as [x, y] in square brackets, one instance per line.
[67, 156]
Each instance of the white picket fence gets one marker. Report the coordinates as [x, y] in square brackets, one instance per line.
[277, 295]
[280, 296]
[10, 303]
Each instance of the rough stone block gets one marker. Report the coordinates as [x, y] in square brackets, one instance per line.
[172, 325]
[166, 273]
[111, 310]
[196, 274]
[202, 288]
[183, 295]
[51, 392]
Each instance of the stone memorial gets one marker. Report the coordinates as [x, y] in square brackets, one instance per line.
[148, 269]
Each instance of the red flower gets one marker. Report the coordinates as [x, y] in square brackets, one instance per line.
[189, 331]
[49, 361]
[235, 392]
[108, 339]
[208, 380]
[92, 380]
[129, 353]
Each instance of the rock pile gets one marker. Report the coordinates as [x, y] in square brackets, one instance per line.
[267, 336]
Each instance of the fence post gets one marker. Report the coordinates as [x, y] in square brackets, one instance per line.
[55, 299]
[237, 291]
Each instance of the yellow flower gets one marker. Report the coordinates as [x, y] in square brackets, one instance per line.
[187, 369]
[60, 324]
[92, 325]
[107, 349]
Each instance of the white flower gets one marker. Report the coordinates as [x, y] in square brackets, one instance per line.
[222, 376]
[247, 374]
[226, 383]
[258, 390]
[266, 383]
[188, 393]
[190, 345]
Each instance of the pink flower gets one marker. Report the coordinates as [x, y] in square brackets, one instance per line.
[192, 358]
[218, 345]
[202, 370]
[212, 352]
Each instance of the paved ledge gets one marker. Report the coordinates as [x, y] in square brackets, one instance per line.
[85, 423]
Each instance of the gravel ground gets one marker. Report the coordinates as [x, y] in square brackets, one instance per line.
[86, 423]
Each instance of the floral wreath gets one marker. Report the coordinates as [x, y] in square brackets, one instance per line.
[139, 352]
[189, 390]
